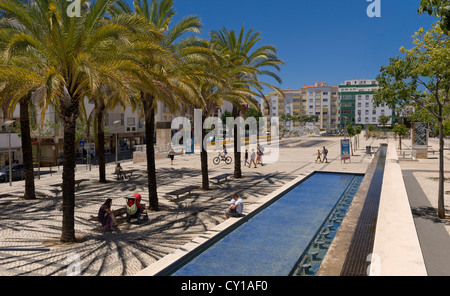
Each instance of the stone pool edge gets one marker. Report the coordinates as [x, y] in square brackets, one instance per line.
[204, 240]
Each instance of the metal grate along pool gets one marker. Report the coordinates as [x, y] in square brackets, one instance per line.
[271, 242]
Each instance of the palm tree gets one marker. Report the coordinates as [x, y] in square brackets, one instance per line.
[241, 50]
[214, 80]
[76, 53]
[160, 80]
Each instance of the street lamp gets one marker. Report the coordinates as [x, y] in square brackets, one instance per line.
[117, 142]
[9, 122]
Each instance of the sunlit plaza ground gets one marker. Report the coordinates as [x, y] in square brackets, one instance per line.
[30, 230]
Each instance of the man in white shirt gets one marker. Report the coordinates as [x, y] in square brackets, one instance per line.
[236, 209]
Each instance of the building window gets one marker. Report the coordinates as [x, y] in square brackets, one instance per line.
[131, 121]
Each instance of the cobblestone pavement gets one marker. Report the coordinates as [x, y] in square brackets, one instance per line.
[30, 230]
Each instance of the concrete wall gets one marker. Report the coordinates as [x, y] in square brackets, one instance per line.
[396, 249]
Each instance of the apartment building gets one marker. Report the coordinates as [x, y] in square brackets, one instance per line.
[318, 99]
[356, 104]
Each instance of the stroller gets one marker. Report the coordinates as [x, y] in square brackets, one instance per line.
[136, 210]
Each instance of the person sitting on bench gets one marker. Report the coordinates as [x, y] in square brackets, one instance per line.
[119, 172]
[106, 216]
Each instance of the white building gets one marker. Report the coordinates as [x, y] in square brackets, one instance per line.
[356, 103]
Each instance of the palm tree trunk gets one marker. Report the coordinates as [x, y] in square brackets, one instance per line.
[100, 109]
[237, 153]
[27, 149]
[149, 111]
[68, 188]
[204, 159]
[69, 110]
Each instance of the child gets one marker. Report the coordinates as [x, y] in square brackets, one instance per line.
[318, 156]
[245, 158]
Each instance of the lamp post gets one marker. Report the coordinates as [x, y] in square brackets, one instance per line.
[9, 122]
[117, 141]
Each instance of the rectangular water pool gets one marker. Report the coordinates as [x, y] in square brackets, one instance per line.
[271, 242]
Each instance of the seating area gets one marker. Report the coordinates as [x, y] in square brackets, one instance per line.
[183, 190]
[221, 177]
[77, 183]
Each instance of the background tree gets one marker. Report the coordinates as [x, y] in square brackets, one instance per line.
[351, 133]
[158, 54]
[437, 8]
[358, 131]
[242, 51]
[383, 120]
[400, 130]
[421, 78]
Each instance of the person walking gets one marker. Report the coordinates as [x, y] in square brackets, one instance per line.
[246, 157]
[252, 158]
[318, 156]
[325, 153]
[171, 155]
[260, 155]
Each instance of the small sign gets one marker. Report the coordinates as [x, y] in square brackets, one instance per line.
[345, 149]
[190, 146]
[53, 147]
[82, 144]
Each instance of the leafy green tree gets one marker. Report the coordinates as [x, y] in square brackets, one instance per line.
[400, 130]
[351, 132]
[437, 8]
[383, 120]
[358, 131]
[421, 78]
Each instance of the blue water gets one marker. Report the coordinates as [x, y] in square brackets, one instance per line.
[271, 242]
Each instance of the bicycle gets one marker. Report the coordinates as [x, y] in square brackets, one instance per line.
[220, 158]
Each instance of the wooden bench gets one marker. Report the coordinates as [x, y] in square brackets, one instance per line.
[220, 177]
[128, 173]
[77, 182]
[184, 190]
[117, 213]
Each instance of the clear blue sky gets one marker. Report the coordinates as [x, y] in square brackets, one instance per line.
[329, 40]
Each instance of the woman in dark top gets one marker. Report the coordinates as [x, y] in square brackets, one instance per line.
[106, 216]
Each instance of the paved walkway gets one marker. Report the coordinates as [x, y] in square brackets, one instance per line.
[30, 229]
